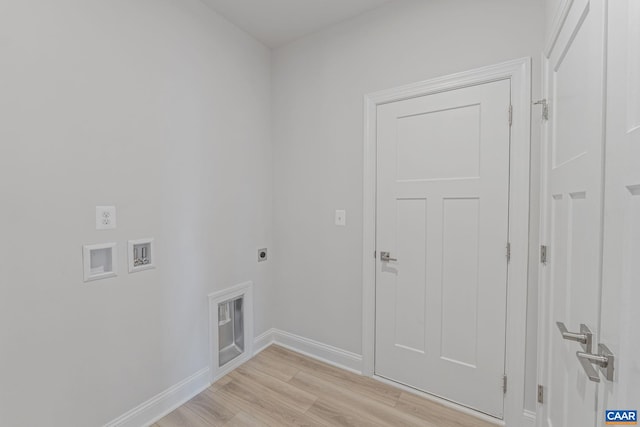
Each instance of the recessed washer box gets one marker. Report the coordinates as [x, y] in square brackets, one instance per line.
[100, 261]
[231, 328]
[141, 255]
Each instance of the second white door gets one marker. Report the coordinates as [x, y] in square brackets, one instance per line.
[442, 217]
[572, 230]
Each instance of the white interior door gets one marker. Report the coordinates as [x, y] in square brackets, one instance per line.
[621, 274]
[573, 170]
[442, 214]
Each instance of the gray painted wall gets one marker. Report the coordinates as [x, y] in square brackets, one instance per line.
[318, 85]
[161, 108]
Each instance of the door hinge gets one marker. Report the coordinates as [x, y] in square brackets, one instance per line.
[504, 384]
[508, 251]
[540, 394]
[544, 250]
[510, 115]
[375, 254]
[545, 108]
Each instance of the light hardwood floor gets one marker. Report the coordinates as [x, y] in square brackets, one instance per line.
[281, 388]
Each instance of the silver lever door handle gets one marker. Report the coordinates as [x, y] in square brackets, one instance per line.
[588, 367]
[584, 337]
[386, 257]
[604, 360]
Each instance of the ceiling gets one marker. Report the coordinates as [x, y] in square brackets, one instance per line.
[277, 22]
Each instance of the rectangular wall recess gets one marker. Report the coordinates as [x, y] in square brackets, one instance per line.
[100, 261]
[141, 255]
[231, 328]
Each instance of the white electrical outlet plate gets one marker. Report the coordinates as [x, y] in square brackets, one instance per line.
[341, 218]
[105, 217]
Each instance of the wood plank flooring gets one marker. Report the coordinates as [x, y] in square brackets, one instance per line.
[281, 388]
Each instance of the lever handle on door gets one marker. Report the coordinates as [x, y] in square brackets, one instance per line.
[584, 337]
[588, 367]
[386, 257]
[604, 359]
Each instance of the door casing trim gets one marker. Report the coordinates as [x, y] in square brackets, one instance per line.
[519, 72]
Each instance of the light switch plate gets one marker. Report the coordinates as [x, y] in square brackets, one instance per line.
[105, 217]
[341, 218]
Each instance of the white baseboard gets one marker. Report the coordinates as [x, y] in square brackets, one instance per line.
[263, 341]
[314, 349]
[165, 402]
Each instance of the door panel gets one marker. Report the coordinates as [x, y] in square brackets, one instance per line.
[410, 299]
[460, 239]
[416, 159]
[442, 211]
[573, 170]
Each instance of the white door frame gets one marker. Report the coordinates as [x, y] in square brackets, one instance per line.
[519, 71]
